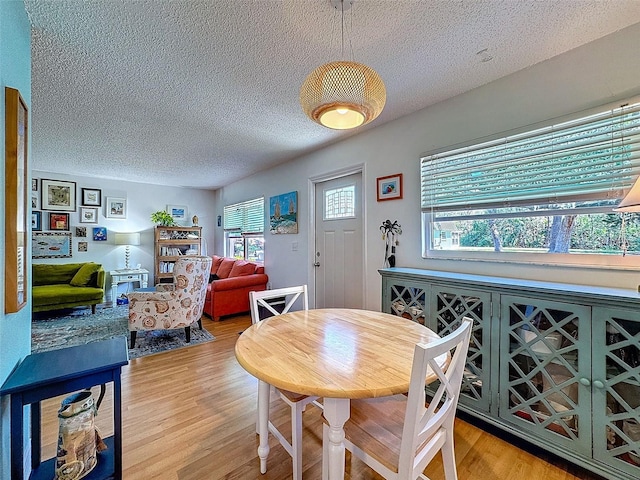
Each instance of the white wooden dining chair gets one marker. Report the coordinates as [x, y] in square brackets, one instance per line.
[397, 436]
[275, 302]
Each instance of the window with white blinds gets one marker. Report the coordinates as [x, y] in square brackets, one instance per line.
[549, 190]
[594, 159]
[245, 217]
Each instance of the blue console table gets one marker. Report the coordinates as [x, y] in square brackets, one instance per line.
[57, 372]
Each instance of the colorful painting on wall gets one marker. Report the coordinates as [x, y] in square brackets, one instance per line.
[283, 213]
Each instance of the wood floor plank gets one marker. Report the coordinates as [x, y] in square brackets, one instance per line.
[189, 414]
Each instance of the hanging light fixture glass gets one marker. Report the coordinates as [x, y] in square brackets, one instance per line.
[343, 94]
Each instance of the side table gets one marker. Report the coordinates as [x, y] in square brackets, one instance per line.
[57, 372]
[139, 275]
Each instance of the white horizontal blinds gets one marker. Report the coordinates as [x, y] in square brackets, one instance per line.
[591, 158]
[245, 217]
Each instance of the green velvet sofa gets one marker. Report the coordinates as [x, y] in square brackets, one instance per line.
[67, 285]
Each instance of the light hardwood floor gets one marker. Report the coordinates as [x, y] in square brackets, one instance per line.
[190, 414]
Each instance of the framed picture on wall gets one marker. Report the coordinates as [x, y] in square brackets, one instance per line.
[389, 187]
[92, 197]
[88, 215]
[58, 221]
[36, 221]
[58, 195]
[116, 207]
[51, 244]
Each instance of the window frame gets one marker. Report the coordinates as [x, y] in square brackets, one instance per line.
[616, 261]
[246, 226]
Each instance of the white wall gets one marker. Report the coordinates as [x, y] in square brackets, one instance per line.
[142, 200]
[592, 75]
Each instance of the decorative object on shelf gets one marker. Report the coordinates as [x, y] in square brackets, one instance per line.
[15, 201]
[58, 221]
[178, 213]
[99, 234]
[116, 207]
[78, 437]
[343, 94]
[389, 187]
[58, 195]
[283, 213]
[127, 239]
[389, 233]
[91, 197]
[88, 215]
[194, 221]
[36, 221]
[162, 218]
[51, 244]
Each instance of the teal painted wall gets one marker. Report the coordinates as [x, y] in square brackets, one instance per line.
[15, 328]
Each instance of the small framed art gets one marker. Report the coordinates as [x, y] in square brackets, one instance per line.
[88, 215]
[36, 221]
[99, 234]
[35, 201]
[81, 232]
[389, 187]
[58, 195]
[116, 207]
[51, 244]
[83, 246]
[91, 197]
[178, 212]
[58, 221]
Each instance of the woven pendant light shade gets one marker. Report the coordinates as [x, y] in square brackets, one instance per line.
[343, 95]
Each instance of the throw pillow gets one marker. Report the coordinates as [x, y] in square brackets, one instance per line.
[83, 275]
[215, 264]
[225, 267]
[242, 268]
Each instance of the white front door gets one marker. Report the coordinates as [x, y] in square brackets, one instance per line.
[339, 255]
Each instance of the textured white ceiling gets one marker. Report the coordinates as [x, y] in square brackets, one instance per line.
[203, 93]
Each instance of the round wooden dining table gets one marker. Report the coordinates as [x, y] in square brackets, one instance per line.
[337, 354]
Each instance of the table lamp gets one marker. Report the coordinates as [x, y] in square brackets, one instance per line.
[127, 239]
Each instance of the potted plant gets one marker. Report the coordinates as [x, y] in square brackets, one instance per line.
[162, 218]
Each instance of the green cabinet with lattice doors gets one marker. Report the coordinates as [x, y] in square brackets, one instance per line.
[555, 364]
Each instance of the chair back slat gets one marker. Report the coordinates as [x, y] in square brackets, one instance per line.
[425, 426]
[290, 295]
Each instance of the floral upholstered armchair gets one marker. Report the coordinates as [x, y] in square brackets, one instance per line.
[176, 305]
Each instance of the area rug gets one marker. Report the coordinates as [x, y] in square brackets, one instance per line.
[80, 326]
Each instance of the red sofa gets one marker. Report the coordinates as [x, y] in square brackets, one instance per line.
[229, 292]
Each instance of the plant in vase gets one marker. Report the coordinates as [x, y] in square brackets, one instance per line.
[162, 218]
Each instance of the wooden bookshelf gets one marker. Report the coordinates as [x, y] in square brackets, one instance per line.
[171, 243]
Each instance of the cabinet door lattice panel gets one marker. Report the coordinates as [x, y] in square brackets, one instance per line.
[543, 354]
[622, 386]
[451, 306]
[408, 302]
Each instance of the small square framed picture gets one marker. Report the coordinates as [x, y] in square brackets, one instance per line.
[88, 215]
[58, 221]
[99, 234]
[178, 212]
[91, 197]
[116, 207]
[389, 187]
[81, 232]
[83, 246]
[36, 221]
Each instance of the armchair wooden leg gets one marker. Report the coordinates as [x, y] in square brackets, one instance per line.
[187, 333]
[93, 308]
[132, 343]
[200, 323]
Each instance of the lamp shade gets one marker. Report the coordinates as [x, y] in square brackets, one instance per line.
[631, 201]
[127, 238]
[343, 95]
